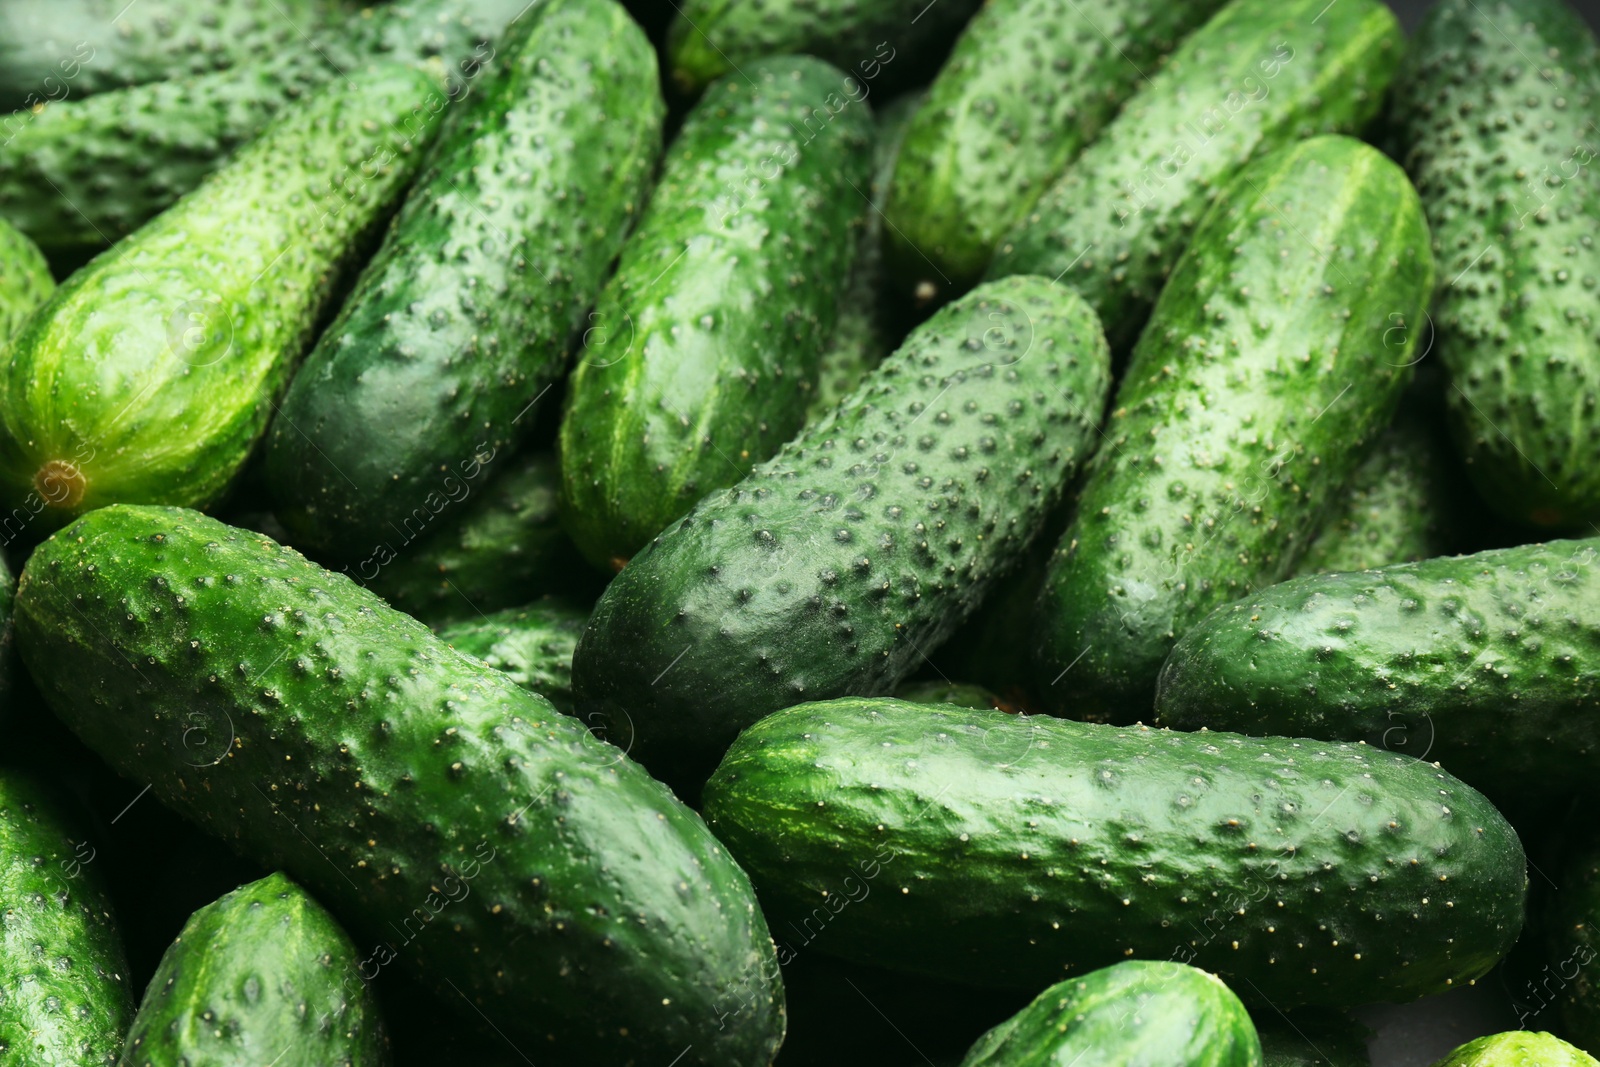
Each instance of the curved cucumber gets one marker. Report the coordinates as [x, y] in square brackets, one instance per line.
[837, 565]
[64, 995]
[459, 827]
[1267, 368]
[463, 318]
[1428, 659]
[532, 645]
[263, 975]
[1013, 850]
[1518, 1048]
[150, 374]
[703, 349]
[25, 280]
[1259, 75]
[1135, 1014]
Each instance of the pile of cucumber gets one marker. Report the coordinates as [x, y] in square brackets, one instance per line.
[1041, 534]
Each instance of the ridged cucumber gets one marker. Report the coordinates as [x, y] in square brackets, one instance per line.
[837, 565]
[1016, 850]
[464, 317]
[263, 975]
[1502, 148]
[1488, 663]
[532, 645]
[1260, 74]
[150, 374]
[450, 819]
[1518, 1048]
[1268, 367]
[703, 350]
[25, 280]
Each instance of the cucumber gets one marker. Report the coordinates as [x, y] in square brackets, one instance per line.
[503, 547]
[150, 374]
[1567, 945]
[1517, 1048]
[835, 567]
[532, 645]
[1027, 86]
[1017, 850]
[463, 318]
[263, 975]
[25, 280]
[1265, 372]
[283, 707]
[1260, 74]
[703, 350]
[64, 995]
[1430, 659]
[1135, 1014]
[1514, 201]
[943, 692]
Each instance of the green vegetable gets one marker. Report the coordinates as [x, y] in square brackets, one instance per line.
[1134, 1014]
[1517, 1048]
[1015, 850]
[835, 567]
[462, 320]
[457, 825]
[150, 374]
[1489, 663]
[1502, 148]
[1261, 74]
[703, 350]
[263, 975]
[1268, 367]
[940, 692]
[64, 995]
[25, 280]
[532, 645]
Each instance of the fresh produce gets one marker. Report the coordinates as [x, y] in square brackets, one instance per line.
[838, 565]
[1502, 148]
[8, 666]
[1135, 1014]
[1488, 663]
[25, 280]
[455, 823]
[1259, 75]
[701, 356]
[64, 995]
[1011, 850]
[150, 374]
[1268, 367]
[1517, 1048]
[1027, 86]
[531, 645]
[263, 975]
[1569, 943]
[463, 318]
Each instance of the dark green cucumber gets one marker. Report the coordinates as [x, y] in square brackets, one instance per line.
[1518, 1048]
[940, 692]
[1311, 1039]
[1136, 1014]
[703, 350]
[835, 567]
[1568, 945]
[503, 547]
[464, 317]
[1260, 74]
[1503, 150]
[1268, 367]
[80, 174]
[150, 374]
[1488, 663]
[1018, 850]
[262, 976]
[25, 280]
[457, 825]
[532, 645]
[64, 995]
[1027, 86]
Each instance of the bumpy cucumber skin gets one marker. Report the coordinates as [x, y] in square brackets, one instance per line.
[1027, 86]
[837, 565]
[704, 347]
[958, 693]
[465, 315]
[502, 548]
[1502, 148]
[25, 280]
[262, 975]
[532, 646]
[1267, 368]
[64, 995]
[1140, 1013]
[1114, 223]
[1517, 1048]
[1015, 850]
[1488, 663]
[282, 707]
[150, 374]
[1569, 935]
